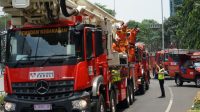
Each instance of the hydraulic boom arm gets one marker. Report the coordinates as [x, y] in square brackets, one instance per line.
[48, 11]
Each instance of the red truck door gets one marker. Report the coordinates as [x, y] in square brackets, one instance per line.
[94, 49]
[190, 73]
[90, 56]
[188, 70]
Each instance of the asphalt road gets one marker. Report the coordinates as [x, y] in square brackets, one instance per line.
[178, 99]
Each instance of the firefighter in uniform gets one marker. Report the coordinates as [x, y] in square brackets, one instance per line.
[161, 79]
[121, 42]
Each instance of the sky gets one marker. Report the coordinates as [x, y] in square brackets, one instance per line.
[137, 10]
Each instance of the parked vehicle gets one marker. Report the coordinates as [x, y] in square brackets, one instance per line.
[189, 69]
[169, 58]
[142, 70]
[57, 63]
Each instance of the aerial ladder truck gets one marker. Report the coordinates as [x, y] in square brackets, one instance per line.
[59, 58]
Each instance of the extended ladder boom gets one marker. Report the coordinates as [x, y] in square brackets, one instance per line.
[43, 12]
[48, 11]
[93, 10]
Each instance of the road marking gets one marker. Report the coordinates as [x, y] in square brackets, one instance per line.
[170, 101]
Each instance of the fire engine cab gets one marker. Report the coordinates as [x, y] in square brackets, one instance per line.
[189, 69]
[59, 58]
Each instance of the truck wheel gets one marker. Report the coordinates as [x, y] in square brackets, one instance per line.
[142, 88]
[147, 85]
[131, 95]
[113, 102]
[178, 81]
[198, 82]
[101, 104]
[126, 102]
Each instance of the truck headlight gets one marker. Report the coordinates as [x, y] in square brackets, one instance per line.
[20, 3]
[142, 71]
[10, 106]
[79, 104]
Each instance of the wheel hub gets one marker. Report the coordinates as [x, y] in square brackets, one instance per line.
[113, 105]
[178, 81]
[198, 82]
[102, 108]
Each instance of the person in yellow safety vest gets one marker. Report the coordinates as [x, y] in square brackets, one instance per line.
[115, 76]
[161, 79]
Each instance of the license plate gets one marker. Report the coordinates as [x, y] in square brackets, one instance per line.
[43, 107]
[41, 75]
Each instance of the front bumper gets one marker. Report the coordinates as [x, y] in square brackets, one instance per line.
[62, 105]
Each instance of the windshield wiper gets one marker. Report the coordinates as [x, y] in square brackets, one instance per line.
[28, 61]
[60, 59]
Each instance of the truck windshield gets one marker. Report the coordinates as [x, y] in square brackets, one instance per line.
[175, 57]
[34, 44]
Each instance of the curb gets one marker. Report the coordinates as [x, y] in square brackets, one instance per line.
[196, 104]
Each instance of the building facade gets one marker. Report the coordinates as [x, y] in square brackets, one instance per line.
[173, 6]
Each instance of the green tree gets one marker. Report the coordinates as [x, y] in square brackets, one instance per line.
[188, 30]
[150, 36]
[3, 21]
[133, 24]
[111, 12]
[170, 27]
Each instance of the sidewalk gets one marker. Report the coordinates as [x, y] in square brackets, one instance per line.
[196, 105]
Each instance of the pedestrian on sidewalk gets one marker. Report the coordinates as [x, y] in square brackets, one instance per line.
[161, 79]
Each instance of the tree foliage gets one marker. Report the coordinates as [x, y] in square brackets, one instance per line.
[170, 27]
[184, 28]
[111, 12]
[188, 30]
[151, 37]
[4, 21]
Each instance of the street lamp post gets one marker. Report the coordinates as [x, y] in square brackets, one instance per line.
[163, 38]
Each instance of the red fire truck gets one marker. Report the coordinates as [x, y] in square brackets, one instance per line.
[173, 57]
[63, 64]
[142, 71]
[161, 58]
[169, 58]
[189, 69]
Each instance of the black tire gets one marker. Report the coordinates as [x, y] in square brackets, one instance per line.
[113, 103]
[142, 88]
[132, 94]
[178, 81]
[147, 85]
[126, 102]
[101, 104]
[197, 82]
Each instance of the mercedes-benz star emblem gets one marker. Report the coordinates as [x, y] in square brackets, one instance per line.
[42, 87]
